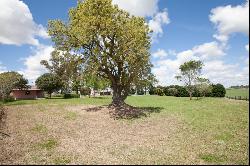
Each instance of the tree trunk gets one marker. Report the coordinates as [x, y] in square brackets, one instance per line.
[190, 95]
[118, 98]
[50, 95]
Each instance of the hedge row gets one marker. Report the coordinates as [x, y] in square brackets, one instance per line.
[69, 96]
[218, 90]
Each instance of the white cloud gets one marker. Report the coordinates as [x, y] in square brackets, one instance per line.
[146, 8]
[33, 68]
[216, 70]
[17, 25]
[230, 19]
[209, 50]
[247, 47]
[160, 53]
[227, 74]
[157, 23]
[141, 8]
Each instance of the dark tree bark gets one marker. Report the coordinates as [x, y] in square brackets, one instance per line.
[119, 95]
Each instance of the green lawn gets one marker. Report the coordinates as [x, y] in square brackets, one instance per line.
[205, 131]
[238, 92]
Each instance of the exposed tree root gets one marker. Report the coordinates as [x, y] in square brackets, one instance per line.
[125, 111]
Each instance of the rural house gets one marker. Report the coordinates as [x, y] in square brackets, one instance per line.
[32, 93]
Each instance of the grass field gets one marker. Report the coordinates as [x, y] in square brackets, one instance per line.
[238, 92]
[179, 131]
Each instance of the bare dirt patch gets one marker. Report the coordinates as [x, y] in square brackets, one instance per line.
[73, 135]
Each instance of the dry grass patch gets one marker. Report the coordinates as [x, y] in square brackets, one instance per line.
[177, 134]
[94, 138]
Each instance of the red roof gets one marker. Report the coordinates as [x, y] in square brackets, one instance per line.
[32, 87]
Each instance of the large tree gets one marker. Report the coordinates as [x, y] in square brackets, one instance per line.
[190, 72]
[11, 80]
[49, 82]
[67, 67]
[109, 41]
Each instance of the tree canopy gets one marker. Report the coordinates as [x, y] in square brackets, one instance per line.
[49, 82]
[190, 72]
[108, 40]
[11, 80]
[65, 66]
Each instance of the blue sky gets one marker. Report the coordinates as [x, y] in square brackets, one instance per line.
[214, 31]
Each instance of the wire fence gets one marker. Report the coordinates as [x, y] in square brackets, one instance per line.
[238, 98]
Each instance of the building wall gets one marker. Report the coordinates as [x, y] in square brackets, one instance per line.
[27, 94]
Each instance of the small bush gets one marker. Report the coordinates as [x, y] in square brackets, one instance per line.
[218, 90]
[58, 95]
[151, 91]
[8, 99]
[182, 91]
[172, 91]
[85, 91]
[140, 91]
[196, 92]
[132, 91]
[159, 92]
[70, 96]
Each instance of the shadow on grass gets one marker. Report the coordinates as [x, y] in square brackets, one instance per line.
[127, 111]
[100, 97]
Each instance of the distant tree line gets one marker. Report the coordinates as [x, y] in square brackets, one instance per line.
[239, 86]
[214, 90]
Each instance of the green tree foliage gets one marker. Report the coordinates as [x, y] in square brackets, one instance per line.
[49, 82]
[67, 66]
[85, 91]
[109, 42]
[190, 71]
[159, 91]
[132, 91]
[92, 80]
[9, 81]
[140, 90]
[218, 90]
[203, 86]
[151, 89]
[172, 91]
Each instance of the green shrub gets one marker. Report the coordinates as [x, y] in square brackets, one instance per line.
[181, 91]
[196, 92]
[140, 91]
[151, 90]
[218, 90]
[172, 91]
[159, 91]
[85, 91]
[166, 92]
[58, 95]
[8, 99]
[132, 91]
[69, 96]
